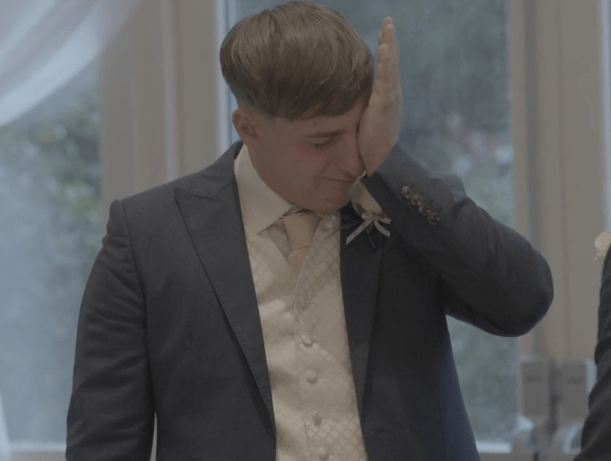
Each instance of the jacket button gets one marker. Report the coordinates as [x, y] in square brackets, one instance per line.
[322, 453]
[424, 210]
[416, 200]
[311, 376]
[406, 192]
[433, 219]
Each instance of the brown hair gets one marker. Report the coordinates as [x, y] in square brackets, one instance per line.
[296, 61]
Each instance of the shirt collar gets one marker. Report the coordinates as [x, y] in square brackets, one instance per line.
[259, 204]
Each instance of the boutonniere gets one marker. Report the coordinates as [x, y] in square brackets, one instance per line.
[370, 211]
[602, 243]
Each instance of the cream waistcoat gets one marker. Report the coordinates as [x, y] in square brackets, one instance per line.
[304, 329]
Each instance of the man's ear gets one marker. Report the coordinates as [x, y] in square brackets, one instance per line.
[247, 124]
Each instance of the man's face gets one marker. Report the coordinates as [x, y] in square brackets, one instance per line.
[299, 163]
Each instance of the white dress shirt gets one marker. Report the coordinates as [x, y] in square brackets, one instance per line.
[304, 329]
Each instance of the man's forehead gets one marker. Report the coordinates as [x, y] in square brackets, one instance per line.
[330, 126]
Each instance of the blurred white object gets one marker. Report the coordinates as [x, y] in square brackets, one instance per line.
[578, 378]
[5, 449]
[577, 381]
[602, 243]
[536, 406]
[45, 43]
[536, 389]
[566, 444]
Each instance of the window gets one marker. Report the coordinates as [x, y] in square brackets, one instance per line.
[455, 81]
[557, 66]
[50, 231]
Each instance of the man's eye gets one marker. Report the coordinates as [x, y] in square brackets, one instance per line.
[320, 146]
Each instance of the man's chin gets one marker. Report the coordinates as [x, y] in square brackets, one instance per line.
[331, 207]
[328, 204]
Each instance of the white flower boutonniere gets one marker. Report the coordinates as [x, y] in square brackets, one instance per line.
[602, 244]
[369, 210]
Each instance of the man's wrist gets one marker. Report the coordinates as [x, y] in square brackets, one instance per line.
[370, 169]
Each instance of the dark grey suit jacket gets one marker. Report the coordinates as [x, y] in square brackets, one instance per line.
[596, 435]
[169, 322]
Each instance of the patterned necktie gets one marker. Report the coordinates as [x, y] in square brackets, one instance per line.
[300, 228]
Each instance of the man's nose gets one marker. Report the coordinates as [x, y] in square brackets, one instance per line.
[348, 158]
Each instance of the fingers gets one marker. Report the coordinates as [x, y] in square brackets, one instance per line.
[387, 34]
[388, 71]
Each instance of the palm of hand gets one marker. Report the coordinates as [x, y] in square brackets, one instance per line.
[380, 123]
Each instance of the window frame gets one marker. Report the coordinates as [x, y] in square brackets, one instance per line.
[554, 103]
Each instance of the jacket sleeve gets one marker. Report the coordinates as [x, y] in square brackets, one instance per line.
[595, 440]
[111, 408]
[490, 276]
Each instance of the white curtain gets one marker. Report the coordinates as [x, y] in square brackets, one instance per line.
[5, 451]
[163, 100]
[44, 43]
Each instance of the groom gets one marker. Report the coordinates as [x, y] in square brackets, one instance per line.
[289, 302]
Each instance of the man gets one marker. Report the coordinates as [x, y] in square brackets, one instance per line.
[289, 301]
[595, 441]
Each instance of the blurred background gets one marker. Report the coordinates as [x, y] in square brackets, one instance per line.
[100, 99]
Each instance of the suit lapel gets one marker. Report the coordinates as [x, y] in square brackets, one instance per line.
[211, 212]
[360, 264]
